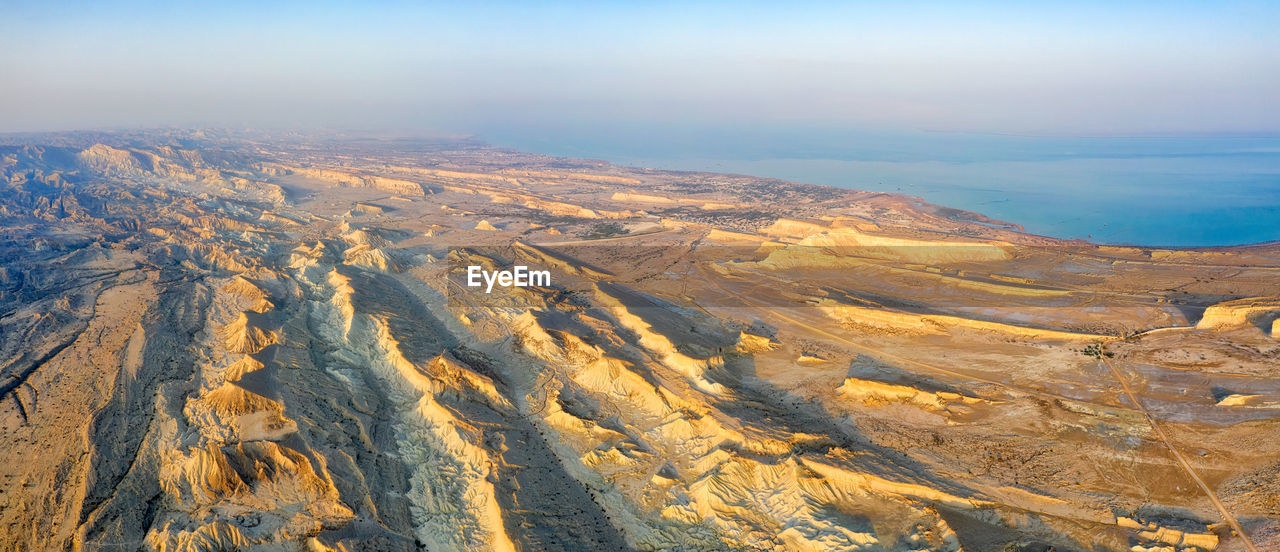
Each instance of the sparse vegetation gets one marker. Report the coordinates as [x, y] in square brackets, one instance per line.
[1096, 350]
[605, 230]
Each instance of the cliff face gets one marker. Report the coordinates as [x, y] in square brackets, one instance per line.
[214, 348]
[1241, 312]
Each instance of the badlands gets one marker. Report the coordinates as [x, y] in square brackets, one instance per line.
[232, 341]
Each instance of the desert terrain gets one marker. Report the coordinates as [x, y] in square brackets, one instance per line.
[215, 340]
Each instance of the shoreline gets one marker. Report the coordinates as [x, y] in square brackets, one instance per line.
[1166, 213]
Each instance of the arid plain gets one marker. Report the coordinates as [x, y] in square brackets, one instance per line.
[222, 341]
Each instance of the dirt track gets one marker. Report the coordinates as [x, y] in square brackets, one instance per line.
[1182, 460]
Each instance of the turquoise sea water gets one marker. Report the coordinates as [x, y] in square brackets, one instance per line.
[1155, 190]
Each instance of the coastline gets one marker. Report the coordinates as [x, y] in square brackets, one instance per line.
[1218, 198]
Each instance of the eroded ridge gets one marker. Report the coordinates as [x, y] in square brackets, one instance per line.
[250, 341]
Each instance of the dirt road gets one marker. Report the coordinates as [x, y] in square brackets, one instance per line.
[1182, 460]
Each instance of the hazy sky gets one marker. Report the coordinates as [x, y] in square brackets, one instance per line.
[1067, 67]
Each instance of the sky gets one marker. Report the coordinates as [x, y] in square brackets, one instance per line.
[1058, 68]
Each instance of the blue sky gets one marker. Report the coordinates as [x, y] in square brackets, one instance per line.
[1051, 68]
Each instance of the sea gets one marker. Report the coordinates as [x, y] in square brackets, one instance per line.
[1156, 190]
